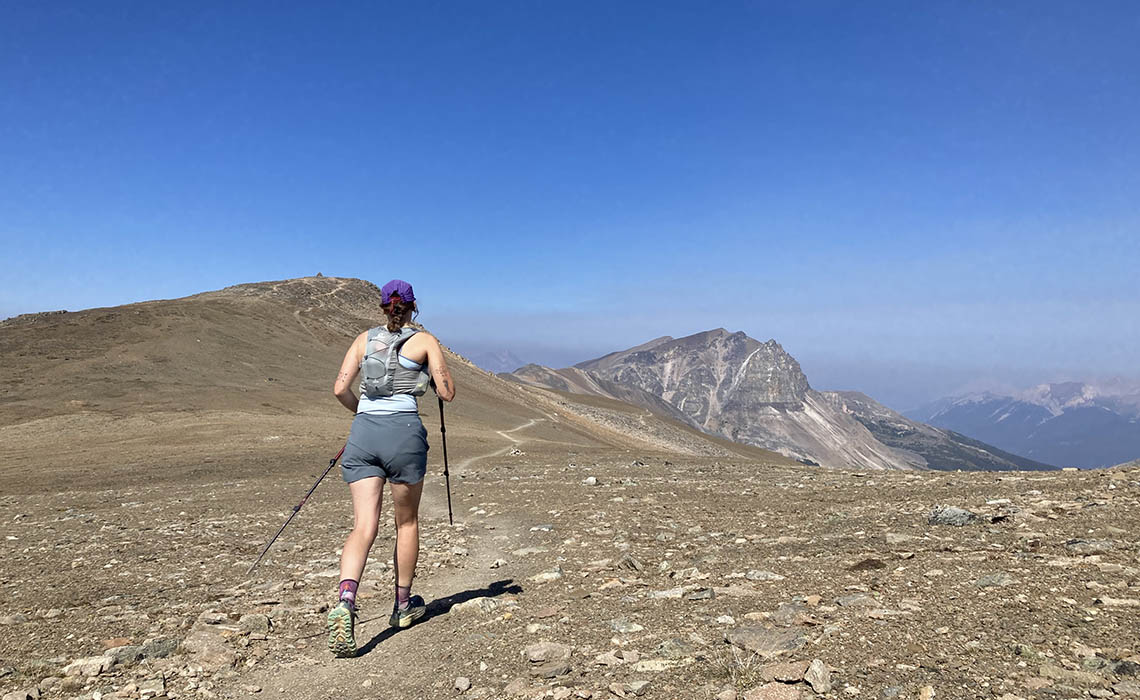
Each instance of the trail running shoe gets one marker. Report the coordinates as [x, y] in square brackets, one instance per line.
[342, 619]
[416, 609]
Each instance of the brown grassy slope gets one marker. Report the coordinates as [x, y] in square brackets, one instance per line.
[242, 373]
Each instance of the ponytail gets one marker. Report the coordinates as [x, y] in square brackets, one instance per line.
[398, 312]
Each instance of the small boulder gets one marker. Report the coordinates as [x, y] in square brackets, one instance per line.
[89, 666]
[950, 515]
[547, 651]
[818, 676]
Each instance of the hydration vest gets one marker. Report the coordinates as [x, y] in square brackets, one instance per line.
[381, 372]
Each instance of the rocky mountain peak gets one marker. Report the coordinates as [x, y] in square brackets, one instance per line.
[707, 373]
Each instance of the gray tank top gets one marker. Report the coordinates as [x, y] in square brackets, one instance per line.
[384, 373]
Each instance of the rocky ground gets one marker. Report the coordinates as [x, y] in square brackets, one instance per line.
[576, 572]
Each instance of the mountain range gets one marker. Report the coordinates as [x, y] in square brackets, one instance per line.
[1070, 423]
[735, 386]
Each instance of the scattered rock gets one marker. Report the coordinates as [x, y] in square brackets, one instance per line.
[482, 604]
[818, 676]
[774, 691]
[89, 666]
[857, 600]
[590, 481]
[758, 575]
[869, 565]
[13, 619]
[152, 688]
[1087, 547]
[547, 576]
[767, 642]
[125, 655]
[209, 648]
[463, 684]
[785, 672]
[623, 626]
[1117, 602]
[950, 515]
[159, 648]
[675, 648]
[628, 562]
[547, 651]
[255, 624]
[999, 578]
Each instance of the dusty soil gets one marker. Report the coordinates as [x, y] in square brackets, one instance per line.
[597, 552]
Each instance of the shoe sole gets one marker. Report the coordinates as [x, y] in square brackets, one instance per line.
[341, 641]
[408, 619]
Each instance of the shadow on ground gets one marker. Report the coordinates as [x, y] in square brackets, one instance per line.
[441, 606]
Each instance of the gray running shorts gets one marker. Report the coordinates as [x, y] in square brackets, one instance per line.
[392, 447]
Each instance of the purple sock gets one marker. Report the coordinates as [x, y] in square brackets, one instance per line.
[403, 596]
[348, 592]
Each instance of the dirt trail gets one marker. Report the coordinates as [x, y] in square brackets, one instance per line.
[495, 453]
[403, 665]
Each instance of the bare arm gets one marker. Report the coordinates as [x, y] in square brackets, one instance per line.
[349, 369]
[444, 384]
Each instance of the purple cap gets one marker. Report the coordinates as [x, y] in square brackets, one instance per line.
[398, 288]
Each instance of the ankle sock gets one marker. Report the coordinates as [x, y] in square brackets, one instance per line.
[403, 596]
[348, 592]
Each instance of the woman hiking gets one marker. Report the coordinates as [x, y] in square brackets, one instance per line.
[387, 443]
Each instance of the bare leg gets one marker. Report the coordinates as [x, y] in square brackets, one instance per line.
[406, 502]
[367, 495]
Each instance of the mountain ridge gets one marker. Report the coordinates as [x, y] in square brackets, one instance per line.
[1065, 423]
[730, 384]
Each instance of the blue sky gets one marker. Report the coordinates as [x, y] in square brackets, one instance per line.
[911, 197]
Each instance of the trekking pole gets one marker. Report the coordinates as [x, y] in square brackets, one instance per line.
[446, 475]
[296, 509]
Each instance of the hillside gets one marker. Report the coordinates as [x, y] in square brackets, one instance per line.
[939, 448]
[227, 365]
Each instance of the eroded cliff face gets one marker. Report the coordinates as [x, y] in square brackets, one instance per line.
[732, 385]
[711, 374]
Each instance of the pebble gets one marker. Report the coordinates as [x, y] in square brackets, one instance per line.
[758, 575]
[999, 578]
[462, 684]
[623, 626]
[547, 576]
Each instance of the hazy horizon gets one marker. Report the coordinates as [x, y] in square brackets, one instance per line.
[912, 199]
